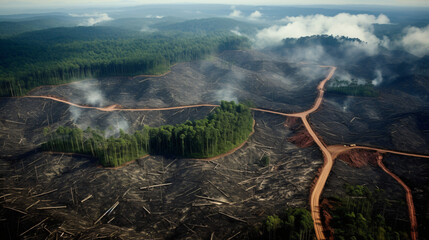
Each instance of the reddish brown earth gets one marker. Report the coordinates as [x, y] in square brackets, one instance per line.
[292, 122]
[302, 138]
[359, 157]
[325, 205]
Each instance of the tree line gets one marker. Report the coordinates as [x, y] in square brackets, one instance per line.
[227, 127]
[25, 64]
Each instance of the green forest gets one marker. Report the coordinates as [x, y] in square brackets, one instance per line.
[363, 215]
[60, 55]
[352, 88]
[225, 128]
[292, 224]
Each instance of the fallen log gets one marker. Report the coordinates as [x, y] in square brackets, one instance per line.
[22, 234]
[89, 196]
[154, 186]
[212, 199]
[232, 217]
[16, 210]
[106, 212]
[53, 207]
[44, 193]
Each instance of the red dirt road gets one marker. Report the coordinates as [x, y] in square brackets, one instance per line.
[115, 107]
[409, 197]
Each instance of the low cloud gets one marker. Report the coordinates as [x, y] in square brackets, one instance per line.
[344, 24]
[255, 14]
[416, 40]
[92, 18]
[236, 13]
[157, 16]
[147, 29]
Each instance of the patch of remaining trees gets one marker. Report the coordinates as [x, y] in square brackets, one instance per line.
[225, 128]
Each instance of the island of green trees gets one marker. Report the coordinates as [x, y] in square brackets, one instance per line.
[224, 129]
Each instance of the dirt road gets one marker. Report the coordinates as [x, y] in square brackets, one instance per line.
[409, 197]
[116, 108]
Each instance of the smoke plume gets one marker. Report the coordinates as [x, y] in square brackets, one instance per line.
[92, 95]
[92, 18]
[378, 79]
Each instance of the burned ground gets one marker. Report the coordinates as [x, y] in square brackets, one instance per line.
[415, 173]
[273, 85]
[200, 197]
[394, 120]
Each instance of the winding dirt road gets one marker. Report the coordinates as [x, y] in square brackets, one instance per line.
[329, 152]
[409, 197]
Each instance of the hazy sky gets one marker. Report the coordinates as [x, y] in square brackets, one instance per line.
[59, 3]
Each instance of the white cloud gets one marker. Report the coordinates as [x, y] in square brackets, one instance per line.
[92, 18]
[344, 24]
[416, 40]
[255, 14]
[236, 13]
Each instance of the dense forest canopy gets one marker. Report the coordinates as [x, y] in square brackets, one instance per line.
[227, 127]
[59, 55]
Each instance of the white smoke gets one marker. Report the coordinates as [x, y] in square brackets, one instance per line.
[416, 40]
[147, 29]
[236, 13]
[346, 103]
[226, 94]
[115, 125]
[92, 18]
[344, 24]
[378, 79]
[75, 113]
[91, 93]
[255, 14]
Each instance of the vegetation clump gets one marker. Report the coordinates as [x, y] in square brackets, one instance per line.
[352, 88]
[293, 224]
[265, 160]
[227, 127]
[362, 214]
